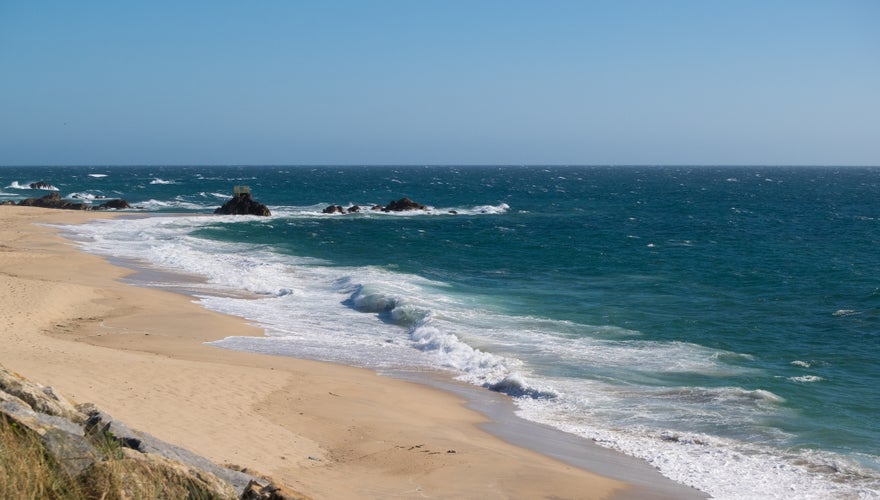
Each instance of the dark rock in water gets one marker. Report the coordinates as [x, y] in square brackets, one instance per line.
[243, 204]
[52, 200]
[42, 185]
[338, 209]
[333, 209]
[402, 205]
[114, 204]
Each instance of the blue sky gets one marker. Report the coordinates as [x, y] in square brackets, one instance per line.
[440, 82]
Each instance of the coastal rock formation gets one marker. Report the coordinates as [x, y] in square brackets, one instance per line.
[403, 204]
[114, 204]
[333, 209]
[94, 451]
[400, 205]
[52, 200]
[243, 204]
[41, 399]
[42, 185]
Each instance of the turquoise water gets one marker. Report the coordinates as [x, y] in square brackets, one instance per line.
[722, 323]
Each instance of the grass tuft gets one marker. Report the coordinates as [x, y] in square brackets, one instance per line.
[27, 471]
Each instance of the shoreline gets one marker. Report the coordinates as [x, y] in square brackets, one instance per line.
[74, 322]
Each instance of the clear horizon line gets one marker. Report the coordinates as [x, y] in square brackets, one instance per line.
[367, 165]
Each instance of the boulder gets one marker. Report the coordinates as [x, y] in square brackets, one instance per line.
[103, 425]
[145, 475]
[257, 491]
[402, 205]
[40, 398]
[243, 204]
[333, 209]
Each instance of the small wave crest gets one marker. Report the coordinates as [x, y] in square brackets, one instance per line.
[410, 311]
[365, 300]
[514, 385]
[154, 205]
[161, 181]
[722, 394]
[806, 378]
[490, 209]
[844, 312]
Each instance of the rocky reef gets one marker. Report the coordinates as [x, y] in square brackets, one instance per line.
[54, 200]
[401, 205]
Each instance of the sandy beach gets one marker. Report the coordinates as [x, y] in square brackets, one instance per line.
[324, 430]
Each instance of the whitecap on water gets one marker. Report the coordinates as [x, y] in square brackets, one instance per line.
[844, 312]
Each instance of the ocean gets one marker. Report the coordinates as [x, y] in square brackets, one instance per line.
[722, 323]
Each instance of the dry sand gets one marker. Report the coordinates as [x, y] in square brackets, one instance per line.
[325, 430]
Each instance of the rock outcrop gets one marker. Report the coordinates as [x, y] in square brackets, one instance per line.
[400, 205]
[113, 204]
[243, 204]
[52, 200]
[42, 185]
[333, 209]
[93, 449]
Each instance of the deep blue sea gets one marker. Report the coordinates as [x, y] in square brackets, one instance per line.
[722, 323]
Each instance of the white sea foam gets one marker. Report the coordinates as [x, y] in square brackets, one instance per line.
[83, 196]
[802, 364]
[98, 176]
[806, 378]
[178, 203]
[718, 466]
[161, 181]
